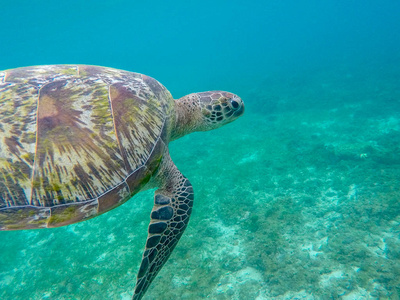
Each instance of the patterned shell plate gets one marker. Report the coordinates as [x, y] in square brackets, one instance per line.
[76, 141]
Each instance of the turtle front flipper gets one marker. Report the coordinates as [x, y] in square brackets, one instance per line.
[170, 215]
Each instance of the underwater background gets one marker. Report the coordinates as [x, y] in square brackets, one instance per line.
[298, 199]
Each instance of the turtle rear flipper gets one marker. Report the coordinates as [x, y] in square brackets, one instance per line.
[170, 215]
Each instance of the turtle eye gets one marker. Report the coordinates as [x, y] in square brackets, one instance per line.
[235, 105]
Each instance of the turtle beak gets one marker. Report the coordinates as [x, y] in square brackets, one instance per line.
[240, 109]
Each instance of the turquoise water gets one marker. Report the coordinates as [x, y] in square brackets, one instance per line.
[298, 199]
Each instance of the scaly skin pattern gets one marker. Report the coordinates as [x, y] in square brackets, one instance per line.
[205, 111]
[76, 141]
[173, 203]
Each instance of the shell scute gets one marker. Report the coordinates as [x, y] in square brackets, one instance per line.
[138, 122]
[113, 197]
[69, 152]
[17, 146]
[67, 214]
[26, 217]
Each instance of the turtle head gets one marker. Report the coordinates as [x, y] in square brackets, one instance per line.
[218, 108]
[205, 111]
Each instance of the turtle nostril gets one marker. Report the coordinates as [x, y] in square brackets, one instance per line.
[234, 104]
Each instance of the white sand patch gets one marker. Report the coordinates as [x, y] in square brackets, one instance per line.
[229, 246]
[378, 246]
[329, 279]
[359, 294]
[330, 196]
[300, 295]
[231, 283]
[312, 248]
[125, 296]
[249, 158]
[6, 279]
[352, 194]
[98, 279]
[356, 269]
[111, 237]
[248, 273]
[46, 295]
[101, 257]
[180, 281]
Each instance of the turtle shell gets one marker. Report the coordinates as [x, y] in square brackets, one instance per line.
[76, 141]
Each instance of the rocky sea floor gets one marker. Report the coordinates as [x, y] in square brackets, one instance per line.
[299, 199]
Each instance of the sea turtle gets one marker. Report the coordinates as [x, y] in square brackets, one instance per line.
[78, 140]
